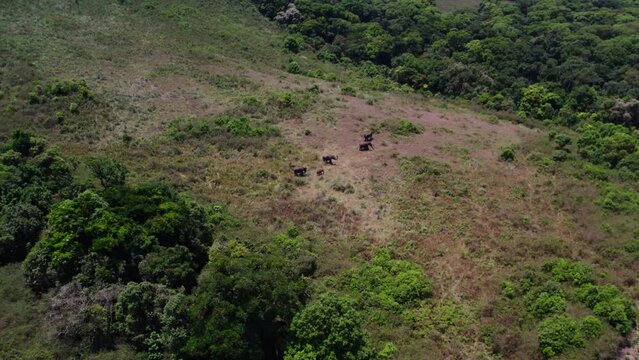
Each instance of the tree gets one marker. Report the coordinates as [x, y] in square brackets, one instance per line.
[139, 310]
[244, 302]
[109, 172]
[169, 266]
[557, 334]
[328, 328]
[539, 102]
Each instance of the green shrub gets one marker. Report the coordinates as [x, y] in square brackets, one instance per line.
[545, 304]
[73, 107]
[293, 43]
[405, 127]
[342, 186]
[606, 144]
[294, 68]
[33, 98]
[507, 154]
[59, 116]
[388, 352]
[590, 327]
[566, 270]
[110, 172]
[348, 90]
[545, 299]
[595, 172]
[618, 199]
[562, 140]
[508, 289]
[328, 328]
[609, 303]
[395, 283]
[632, 246]
[560, 155]
[557, 334]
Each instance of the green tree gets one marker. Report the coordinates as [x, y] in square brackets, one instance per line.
[328, 328]
[539, 102]
[557, 334]
[108, 171]
[243, 303]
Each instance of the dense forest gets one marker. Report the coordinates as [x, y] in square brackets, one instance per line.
[133, 230]
[559, 60]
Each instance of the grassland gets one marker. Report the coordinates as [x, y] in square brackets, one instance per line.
[438, 197]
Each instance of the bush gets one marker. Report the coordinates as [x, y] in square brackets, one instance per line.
[590, 327]
[348, 90]
[507, 154]
[169, 266]
[545, 304]
[293, 43]
[110, 172]
[546, 299]
[560, 155]
[59, 116]
[562, 140]
[618, 199]
[294, 68]
[396, 283]
[567, 270]
[557, 334]
[609, 303]
[508, 289]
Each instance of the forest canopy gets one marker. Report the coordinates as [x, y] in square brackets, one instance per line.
[557, 60]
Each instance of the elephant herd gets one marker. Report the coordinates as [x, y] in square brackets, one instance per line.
[367, 145]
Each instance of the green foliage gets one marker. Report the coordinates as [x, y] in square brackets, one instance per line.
[31, 179]
[170, 266]
[546, 300]
[293, 67]
[108, 171]
[294, 43]
[226, 132]
[590, 327]
[106, 238]
[153, 318]
[618, 199]
[73, 107]
[507, 154]
[244, 301]
[387, 283]
[609, 303]
[557, 334]
[328, 328]
[607, 144]
[561, 140]
[562, 60]
[539, 102]
[402, 127]
[566, 270]
[509, 289]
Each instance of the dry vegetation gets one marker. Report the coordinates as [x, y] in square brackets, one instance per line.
[440, 198]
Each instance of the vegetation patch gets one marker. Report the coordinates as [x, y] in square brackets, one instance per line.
[399, 127]
[562, 283]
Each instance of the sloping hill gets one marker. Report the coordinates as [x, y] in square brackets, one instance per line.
[434, 191]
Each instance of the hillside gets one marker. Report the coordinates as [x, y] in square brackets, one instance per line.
[149, 207]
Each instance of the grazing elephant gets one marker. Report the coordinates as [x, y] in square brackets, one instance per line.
[328, 159]
[366, 146]
[368, 137]
[299, 171]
